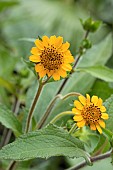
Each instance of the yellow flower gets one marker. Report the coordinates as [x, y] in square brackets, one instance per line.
[52, 57]
[90, 112]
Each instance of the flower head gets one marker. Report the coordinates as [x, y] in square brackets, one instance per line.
[90, 112]
[52, 57]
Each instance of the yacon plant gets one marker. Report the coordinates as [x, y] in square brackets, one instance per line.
[88, 115]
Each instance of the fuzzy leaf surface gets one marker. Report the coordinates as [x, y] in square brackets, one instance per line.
[44, 143]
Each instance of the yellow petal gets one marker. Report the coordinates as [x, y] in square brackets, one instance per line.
[81, 123]
[58, 42]
[38, 67]
[92, 127]
[101, 123]
[105, 116]
[35, 51]
[62, 73]
[42, 73]
[76, 111]
[64, 47]
[99, 103]
[78, 118]
[102, 109]
[68, 53]
[99, 128]
[39, 44]
[94, 100]
[52, 39]
[45, 40]
[82, 100]
[34, 58]
[88, 98]
[67, 67]
[56, 76]
[50, 73]
[78, 105]
[69, 59]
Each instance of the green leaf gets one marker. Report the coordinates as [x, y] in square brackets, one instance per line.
[109, 106]
[101, 72]
[44, 143]
[8, 119]
[97, 55]
[98, 87]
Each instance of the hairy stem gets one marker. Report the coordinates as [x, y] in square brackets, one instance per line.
[41, 84]
[30, 114]
[46, 114]
[49, 108]
[61, 115]
[74, 66]
[74, 127]
[12, 165]
[100, 150]
[93, 159]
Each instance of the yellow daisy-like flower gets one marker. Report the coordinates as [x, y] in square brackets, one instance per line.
[90, 111]
[52, 57]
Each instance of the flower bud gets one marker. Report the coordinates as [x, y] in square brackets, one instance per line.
[90, 25]
[86, 44]
[69, 124]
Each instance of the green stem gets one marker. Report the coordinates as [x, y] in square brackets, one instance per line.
[33, 107]
[74, 66]
[107, 133]
[71, 94]
[12, 165]
[92, 159]
[100, 150]
[46, 114]
[61, 115]
[49, 108]
[74, 127]
[28, 123]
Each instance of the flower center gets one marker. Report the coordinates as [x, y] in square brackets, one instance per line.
[91, 114]
[51, 59]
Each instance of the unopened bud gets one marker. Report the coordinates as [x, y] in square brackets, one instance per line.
[90, 25]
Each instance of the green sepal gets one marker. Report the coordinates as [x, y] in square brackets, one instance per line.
[90, 25]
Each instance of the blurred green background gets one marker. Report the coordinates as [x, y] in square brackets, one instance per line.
[28, 19]
[22, 21]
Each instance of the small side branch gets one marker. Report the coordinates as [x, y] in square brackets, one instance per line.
[93, 159]
[49, 108]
